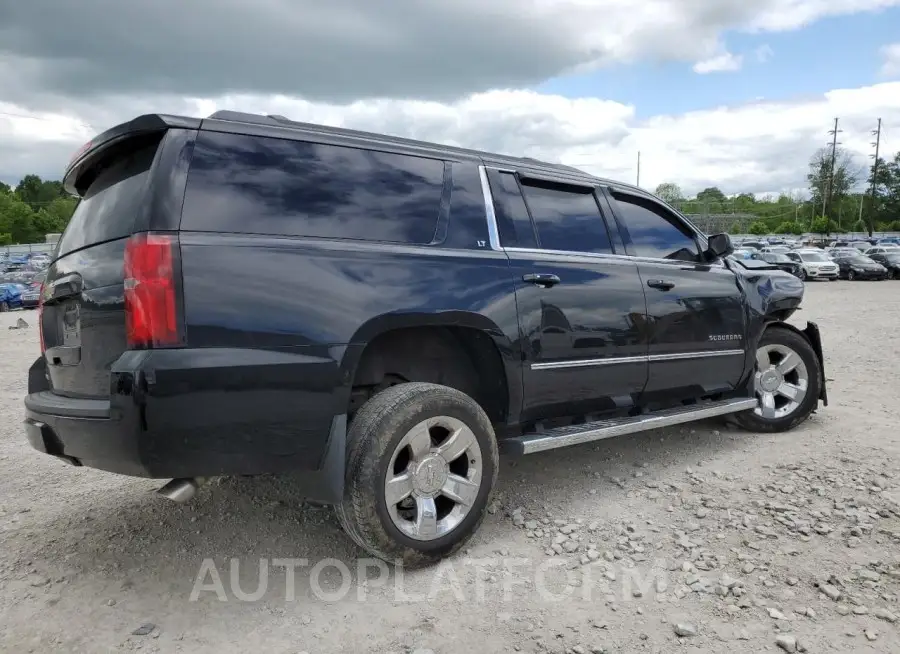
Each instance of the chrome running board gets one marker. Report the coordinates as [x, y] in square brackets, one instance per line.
[595, 431]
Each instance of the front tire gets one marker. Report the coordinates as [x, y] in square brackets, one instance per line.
[421, 467]
[851, 276]
[4, 307]
[787, 382]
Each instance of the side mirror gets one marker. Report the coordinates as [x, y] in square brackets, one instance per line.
[718, 246]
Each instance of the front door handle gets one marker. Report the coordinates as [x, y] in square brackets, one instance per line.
[661, 284]
[543, 280]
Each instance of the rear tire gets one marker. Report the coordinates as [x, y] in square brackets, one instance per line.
[4, 307]
[787, 382]
[421, 466]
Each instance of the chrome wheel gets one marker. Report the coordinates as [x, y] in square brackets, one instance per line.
[781, 381]
[433, 478]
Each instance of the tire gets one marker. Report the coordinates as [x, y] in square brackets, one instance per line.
[891, 274]
[778, 340]
[851, 276]
[380, 441]
[4, 307]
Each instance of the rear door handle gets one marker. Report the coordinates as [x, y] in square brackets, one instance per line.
[544, 280]
[661, 284]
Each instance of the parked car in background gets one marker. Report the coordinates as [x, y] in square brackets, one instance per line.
[891, 261]
[881, 249]
[10, 296]
[815, 264]
[742, 253]
[840, 251]
[862, 246]
[781, 261]
[31, 295]
[859, 266]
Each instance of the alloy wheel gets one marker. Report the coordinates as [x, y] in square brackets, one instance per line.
[433, 478]
[781, 381]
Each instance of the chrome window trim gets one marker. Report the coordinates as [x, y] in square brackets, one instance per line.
[493, 230]
[611, 361]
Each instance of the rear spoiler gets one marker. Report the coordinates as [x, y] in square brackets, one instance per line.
[140, 126]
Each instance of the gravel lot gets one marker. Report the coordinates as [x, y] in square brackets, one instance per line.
[701, 538]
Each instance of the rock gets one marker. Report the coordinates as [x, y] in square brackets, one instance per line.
[531, 524]
[860, 610]
[570, 546]
[792, 581]
[868, 575]
[144, 629]
[787, 642]
[884, 614]
[843, 609]
[775, 614]
[871, 634]
[830, 592]
[685, 629]
[748, 568]
[38, 580]
[568, 529]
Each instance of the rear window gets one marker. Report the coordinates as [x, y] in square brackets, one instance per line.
[257, 185]
[109, 207]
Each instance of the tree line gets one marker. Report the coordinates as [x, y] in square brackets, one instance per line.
[33, 209]
[834, 203]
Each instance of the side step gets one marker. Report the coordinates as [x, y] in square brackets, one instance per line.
[595, 431]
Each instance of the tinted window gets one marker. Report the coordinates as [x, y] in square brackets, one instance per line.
[256, 185]
[566, 217]
[513, 221]
[654, 234]
[110, 205]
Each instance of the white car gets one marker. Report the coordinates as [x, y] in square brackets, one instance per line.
[815, 264]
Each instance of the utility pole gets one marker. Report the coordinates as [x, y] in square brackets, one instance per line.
[834, 143]
[877, 144]
[639, 169]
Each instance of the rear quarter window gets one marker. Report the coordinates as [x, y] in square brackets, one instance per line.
[258, 185]
[110, 205]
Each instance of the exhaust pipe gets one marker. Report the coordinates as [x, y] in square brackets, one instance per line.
[181, 490]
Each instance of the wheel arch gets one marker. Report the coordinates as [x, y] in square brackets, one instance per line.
[812, 334]
[488, 350]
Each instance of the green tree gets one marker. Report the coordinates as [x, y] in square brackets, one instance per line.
[790, 227]
[37, 193]
[759, 228]
[5, 189]
[669, 192]
[17, 220]
[821, 181]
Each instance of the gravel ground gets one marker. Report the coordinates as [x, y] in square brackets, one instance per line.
[694, 539]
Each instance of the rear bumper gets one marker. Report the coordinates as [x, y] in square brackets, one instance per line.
[188, 413]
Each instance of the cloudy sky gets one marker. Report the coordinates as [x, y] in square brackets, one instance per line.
[711, 92]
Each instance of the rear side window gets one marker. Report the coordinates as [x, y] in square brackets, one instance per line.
[110, 205]
[256, 185]
[567, 217]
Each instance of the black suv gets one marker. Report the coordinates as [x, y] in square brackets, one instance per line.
[246, 294]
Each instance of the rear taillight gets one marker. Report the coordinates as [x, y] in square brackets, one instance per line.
[151, 298]
[40, 318]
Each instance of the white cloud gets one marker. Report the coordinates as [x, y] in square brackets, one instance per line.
[890, 66]
[764, 53]
[721, 63]
[760, 147]
[343, 50]
[431, 70]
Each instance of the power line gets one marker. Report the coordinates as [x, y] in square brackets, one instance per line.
[826, 199]
[877, 145]
[74, 120]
